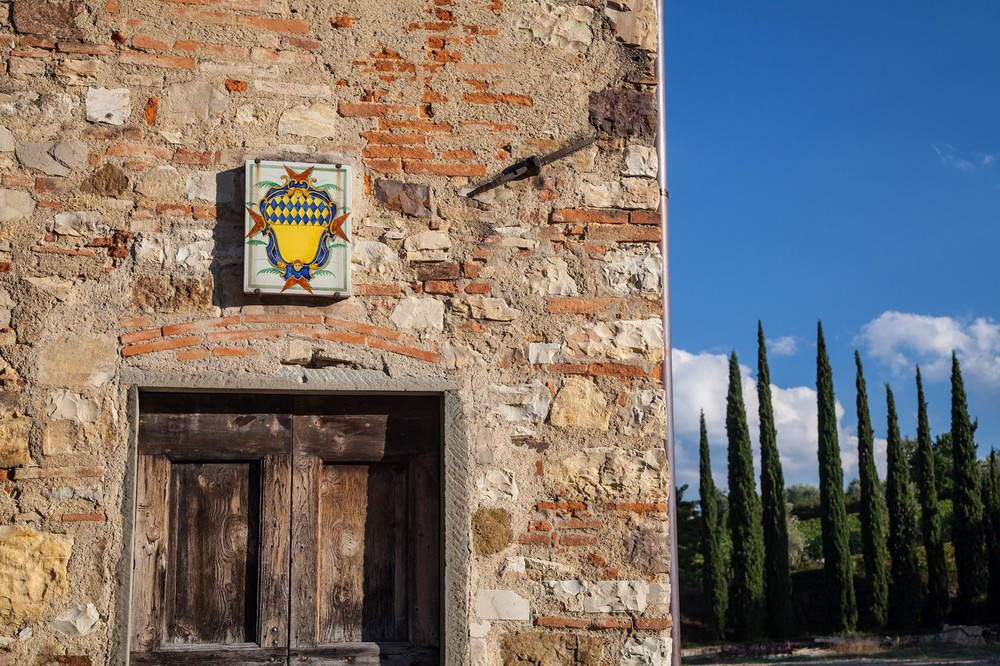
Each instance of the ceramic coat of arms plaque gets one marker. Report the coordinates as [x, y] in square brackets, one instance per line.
[298, 238]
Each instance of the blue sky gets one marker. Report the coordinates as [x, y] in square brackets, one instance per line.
[836, 161]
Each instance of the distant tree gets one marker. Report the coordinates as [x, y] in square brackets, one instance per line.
[777, 577]
[875, 585]
[944, 465]
[804, 500]
[713, 566]
[746, 594]
[833, 512]
[967, 532]
[905, 590]
[991, 501]
[936, 603]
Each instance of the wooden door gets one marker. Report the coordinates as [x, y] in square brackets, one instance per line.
[365, 530]
[287, 530]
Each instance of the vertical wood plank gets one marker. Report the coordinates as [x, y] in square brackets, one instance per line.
[425, 557]
[215, 540]
[275, 538]
[150, 551]
[342, 512]
[304, 621]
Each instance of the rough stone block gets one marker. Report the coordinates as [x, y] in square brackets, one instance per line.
[14, 442]
[551, 649]
[108, 181]
[491, 531]
[497, 484]
[613, 473]
[33, 568]
[78, 620]
[54, 158]
[110, 106]
[624, 113]
[78, 361]
[617, 340]
[318, 121]
[502, 605]
[580, 403]
[419, 314]
[407, 198]
[15, 205]
[53, 19]
[565, 27]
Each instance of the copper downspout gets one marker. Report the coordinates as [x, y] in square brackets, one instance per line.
[668, 386]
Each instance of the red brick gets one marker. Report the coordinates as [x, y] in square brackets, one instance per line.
[644, 217]
[365, 329]
[584, 215]
[233, 336]
[135, 322]
[58, 473]
[390, 138]
[283, 319]
[160, 345]
[294, 26]
[539, 526]
[404, 152]
[460, 155]
[611, 623]
[236, 86]
[333, 336]
[149, 113]
[84, 518]
[440, 287]
[637, 507]
[444, 169]
[152, 60]
[343, 21]
[85, 49]
[193, 354]
[186, 156]
[562, 622]
[234, 352]
[482, 288]
[623, 233]
[582, 305]
[472, 269]
[188, 327]
[616, 370]
[72, 252]
[654, 623]
[375, 289]
[405, 350]
[577, 540]
[394, 165]
[148, 42]
[140, 336]
[537, 539]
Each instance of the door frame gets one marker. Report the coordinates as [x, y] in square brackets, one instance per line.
[455, 455]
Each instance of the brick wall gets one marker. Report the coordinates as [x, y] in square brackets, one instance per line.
[124, 126]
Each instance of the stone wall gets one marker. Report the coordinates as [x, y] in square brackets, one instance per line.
[124, 126]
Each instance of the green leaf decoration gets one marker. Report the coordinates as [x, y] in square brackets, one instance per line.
[254, 241]
[337, 245]
[269, 271]
[328, 186]
[322, 272]
[268, 184]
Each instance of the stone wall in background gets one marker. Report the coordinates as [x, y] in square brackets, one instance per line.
[124, 127]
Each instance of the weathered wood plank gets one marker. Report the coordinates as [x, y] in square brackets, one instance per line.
[150, 551]
[243, 655]
[215, 526]
[370, 654]
[304, 622]
[214, 436]
[425, 557]
[275, 539]
[363, 437]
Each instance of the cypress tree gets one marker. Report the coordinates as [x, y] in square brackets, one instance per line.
[905, 590]
[936, 603]
[777, 578]
[746, 595]
[833, 512]
[875, 586]
[967, 531]
[991, 501]
[713, 570]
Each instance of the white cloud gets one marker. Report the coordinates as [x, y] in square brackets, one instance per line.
[787, 345]
[949, 157]
[701, 381]
[903, 340]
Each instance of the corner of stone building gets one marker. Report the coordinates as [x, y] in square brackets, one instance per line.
[124, 126]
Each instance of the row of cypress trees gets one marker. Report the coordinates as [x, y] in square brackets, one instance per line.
[892, 589]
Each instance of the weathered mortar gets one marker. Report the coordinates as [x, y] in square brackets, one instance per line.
[123, 128]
